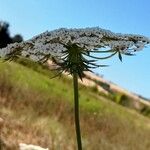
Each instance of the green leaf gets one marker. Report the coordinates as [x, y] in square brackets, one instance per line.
[120, 57]
[129, 54]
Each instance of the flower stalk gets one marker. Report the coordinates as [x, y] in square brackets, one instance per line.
[76, 111]
[74, 65]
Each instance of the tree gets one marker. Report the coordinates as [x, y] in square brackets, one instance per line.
[17, 38]
[5, 37]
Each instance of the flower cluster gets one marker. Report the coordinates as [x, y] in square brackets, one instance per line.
[59, 44]
[53, 43]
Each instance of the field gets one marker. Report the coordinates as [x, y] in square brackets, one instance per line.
[39, 110]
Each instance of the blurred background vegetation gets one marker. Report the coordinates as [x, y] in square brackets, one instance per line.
[5, 37]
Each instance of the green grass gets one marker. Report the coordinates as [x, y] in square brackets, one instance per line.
[39, 110]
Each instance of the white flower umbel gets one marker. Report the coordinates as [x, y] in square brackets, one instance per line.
[71, 49]
[53, 43]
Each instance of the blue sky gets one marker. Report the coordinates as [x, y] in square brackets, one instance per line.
[31, 17]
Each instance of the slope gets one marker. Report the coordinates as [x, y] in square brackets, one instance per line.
[39, 110]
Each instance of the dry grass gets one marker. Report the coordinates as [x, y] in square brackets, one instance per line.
[39, 111]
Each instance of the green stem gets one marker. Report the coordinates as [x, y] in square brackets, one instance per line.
[76, 110]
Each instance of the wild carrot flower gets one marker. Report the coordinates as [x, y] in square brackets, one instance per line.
[59, 45]
[74, 50]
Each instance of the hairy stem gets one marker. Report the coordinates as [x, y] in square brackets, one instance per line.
[76, 110]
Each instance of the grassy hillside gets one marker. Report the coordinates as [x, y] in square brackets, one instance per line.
[39, 110]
